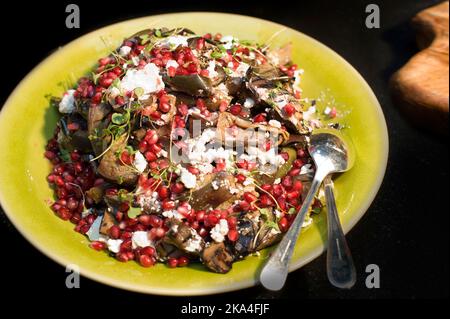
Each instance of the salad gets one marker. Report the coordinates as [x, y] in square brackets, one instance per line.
[180, 148]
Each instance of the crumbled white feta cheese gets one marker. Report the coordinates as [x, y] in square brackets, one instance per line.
[277, 181]
[124, 50]
[241, 70]
[310, 113]
[147, 78]
[187, 178]
[297, 76]
[149, 202]
[173, 42]
[139, 162]
[67, 104]
[275, 123]
[327, 110]
[212, 69]
[172, 214]
[249, 102]
[215, 185]
[227, 41]
[140, 239]
[171, 63]
[219, 231]
[194, 243]
[114, 245]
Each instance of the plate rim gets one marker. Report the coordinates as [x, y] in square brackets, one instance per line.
[384, 143]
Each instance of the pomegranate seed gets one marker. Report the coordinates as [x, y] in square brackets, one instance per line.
[150, 156]
[294, 172]
[183, 109]
[164, 107]
[289, 109]
[177, 188]
[200, 215]
[171, 71]
[149, 251]
[232, 222]
[297, 186]
[143, 146]
[193, 170]
[333, 113]
[98, 245]
[260, 118]
[265, 200]
[240, 178]
[155, 221]
[151, 137]
[183, 261]
[235, 109]
[211, 220]
[163, 192]
[243, 205]
[250, 197]
[266, 187]
[287, 181]
[146, 261]
[298, 163]
[114, 232]
[292, 195]
[168, 205]
[233, 234]
[283, 224]
[155, 115]
[172, 262]
[204, 73]
[50, 155]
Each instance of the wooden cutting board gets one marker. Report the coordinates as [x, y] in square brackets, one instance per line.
[421, 87]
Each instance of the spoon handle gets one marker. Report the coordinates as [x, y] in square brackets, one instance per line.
[340, 268]
[274, 272]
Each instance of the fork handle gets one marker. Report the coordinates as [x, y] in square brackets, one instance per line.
[340, 268]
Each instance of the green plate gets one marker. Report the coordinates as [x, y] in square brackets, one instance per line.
[26, 122]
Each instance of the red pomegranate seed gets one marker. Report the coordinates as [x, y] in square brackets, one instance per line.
[168, 204]
[289, 109]
[265, 200]
[149, 251]
[151, 137]
[163, 192]
[183, 109]
[172, 262]
[232, 222]
[143, 146]
[235, 109]
[292, 195]
[164, 107]
[250, 197]
[266, 187]
[294, 172]
[233, 235]
[297, 186]
[259, 118]
[177, 188]
[193, 170]
[150, 156]
[98, 245]
[298, 163]
[283, 224]
[241, 178]
[211, 220]
[155, 221]
[243, 205]
[50, 155]
[114, 232]
[287, 181]
[183, 261]
[146, 261]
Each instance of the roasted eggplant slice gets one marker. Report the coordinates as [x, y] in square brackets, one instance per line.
[212, 191]
[184, 237]
[113, 169]
[193, 84]
[217, 257]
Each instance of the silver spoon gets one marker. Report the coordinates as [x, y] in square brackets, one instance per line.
[340, 268]
[330, 155]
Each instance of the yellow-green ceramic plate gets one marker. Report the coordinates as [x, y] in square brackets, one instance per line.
[26, 123]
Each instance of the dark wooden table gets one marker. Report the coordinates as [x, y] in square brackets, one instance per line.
[405, 231]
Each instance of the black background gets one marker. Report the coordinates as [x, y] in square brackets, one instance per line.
[405, 231]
